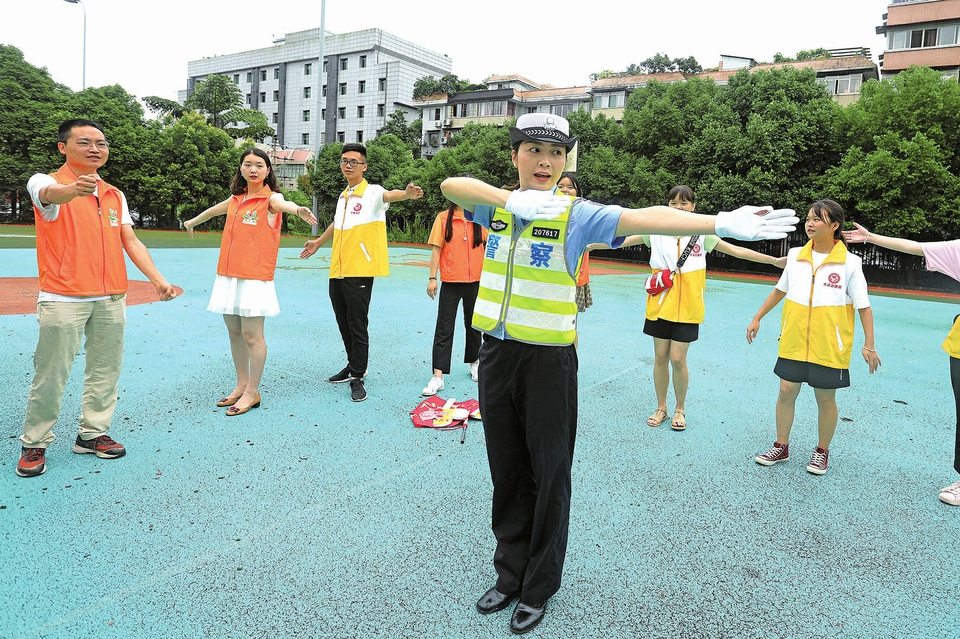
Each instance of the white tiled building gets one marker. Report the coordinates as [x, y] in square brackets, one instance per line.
[367, 75]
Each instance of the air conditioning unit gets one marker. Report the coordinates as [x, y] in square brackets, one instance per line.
[438, 124]
[443, 141]
[447, 122]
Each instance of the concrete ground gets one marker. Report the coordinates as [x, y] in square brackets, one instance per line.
[316, 517]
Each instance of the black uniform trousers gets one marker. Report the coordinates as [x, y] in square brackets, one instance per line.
[528, 399]
[451, 293]
[955, 381]
[350, 297]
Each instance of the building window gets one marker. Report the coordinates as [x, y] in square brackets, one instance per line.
[360, 112]
[614, 100]
[236, 78]
[276, 118]
[276, 95]
[307, 68]
[359, 136]
[533, 109]
[342, 113]
[263, 75]
[381, 110]
[362, 86]
[249, 76]
[304, 138]
[842, 84]
[323, 91]
[306, 92]
[922, 38]
[263, 97]
[343, 88]
[561, 109]
[248, 98]
[343, 64]
[382, 84]
[341, 137]
[473, 109]
[436, 114]
[598, 101]
[363, 62]
[306, 115]
[324, 66]
[323, 114]
[276, 73]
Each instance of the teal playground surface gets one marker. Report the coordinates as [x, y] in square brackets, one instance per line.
[317, 517]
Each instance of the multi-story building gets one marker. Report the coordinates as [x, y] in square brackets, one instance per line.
[366, 76]
[510, 96]
[923, 33]
[506, 97]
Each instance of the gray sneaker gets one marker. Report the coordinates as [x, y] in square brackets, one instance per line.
[357, 392]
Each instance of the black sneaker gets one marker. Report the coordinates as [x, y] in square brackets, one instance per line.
[357, 392]
[342, 376]
[101, 446]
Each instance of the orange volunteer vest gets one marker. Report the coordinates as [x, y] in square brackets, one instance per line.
[249, 247]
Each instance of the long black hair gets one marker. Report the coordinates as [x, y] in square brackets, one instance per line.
[239, 183]
[448, 229]
[830, 211]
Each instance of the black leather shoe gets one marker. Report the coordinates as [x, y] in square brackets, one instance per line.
[494, 601]
[525, 618]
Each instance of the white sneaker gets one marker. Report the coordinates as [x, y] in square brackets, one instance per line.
[951, 494]
[475, 371]
[434, 386]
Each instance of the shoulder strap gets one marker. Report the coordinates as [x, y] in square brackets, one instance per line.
[686, 251]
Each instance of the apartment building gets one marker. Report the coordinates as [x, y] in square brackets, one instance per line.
[923, 33]
[365, 77]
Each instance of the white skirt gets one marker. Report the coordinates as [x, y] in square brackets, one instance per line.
[246, 298]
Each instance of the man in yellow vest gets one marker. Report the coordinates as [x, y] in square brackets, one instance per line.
[83, 228]
[359, 232]
[527, 310]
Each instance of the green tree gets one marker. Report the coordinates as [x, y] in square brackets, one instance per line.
[32, 107]
[163, 106]
[449, 84]
[222, 102]
[409, 134]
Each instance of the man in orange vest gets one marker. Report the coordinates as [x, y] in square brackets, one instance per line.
[83, 228]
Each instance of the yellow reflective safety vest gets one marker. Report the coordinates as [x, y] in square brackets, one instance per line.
[525, 283]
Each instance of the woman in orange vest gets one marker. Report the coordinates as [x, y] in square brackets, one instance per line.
[243, 291]
[458, 248]
[569, 185]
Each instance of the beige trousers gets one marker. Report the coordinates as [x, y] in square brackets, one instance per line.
[62, 325]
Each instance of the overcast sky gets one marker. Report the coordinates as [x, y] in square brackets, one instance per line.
[145, 46]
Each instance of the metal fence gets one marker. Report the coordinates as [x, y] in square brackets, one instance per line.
[881, 267]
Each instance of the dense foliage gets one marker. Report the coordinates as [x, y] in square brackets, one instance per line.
[773, 137]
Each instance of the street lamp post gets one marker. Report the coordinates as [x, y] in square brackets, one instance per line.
[84, 38]
[319, 113]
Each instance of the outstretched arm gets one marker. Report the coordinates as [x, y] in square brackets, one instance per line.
[749, 254]
[279, 204]
[412, 192]
[310, 246]
[775, 297]
[745, 223]
[213, 211]
[861, 234]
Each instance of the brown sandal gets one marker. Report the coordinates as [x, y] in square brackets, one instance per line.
[658, 417]
[679, 420]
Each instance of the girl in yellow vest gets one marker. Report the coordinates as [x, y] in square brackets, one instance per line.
[526, 308]
[822, 284]
[942, 257]
[673, 317]
[243, 291]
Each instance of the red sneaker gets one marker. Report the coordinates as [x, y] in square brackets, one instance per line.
[32, 462]
[818, 463]
[779, 453]
[101, 446]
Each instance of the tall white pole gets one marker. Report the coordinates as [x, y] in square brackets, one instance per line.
[82, 6]
[318, 116]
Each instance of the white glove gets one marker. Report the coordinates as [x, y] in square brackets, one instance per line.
[756, 223]
[537, 205]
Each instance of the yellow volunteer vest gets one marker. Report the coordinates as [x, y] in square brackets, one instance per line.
[817, 321]
[525, 283]
[359, 236]
[952, 343]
